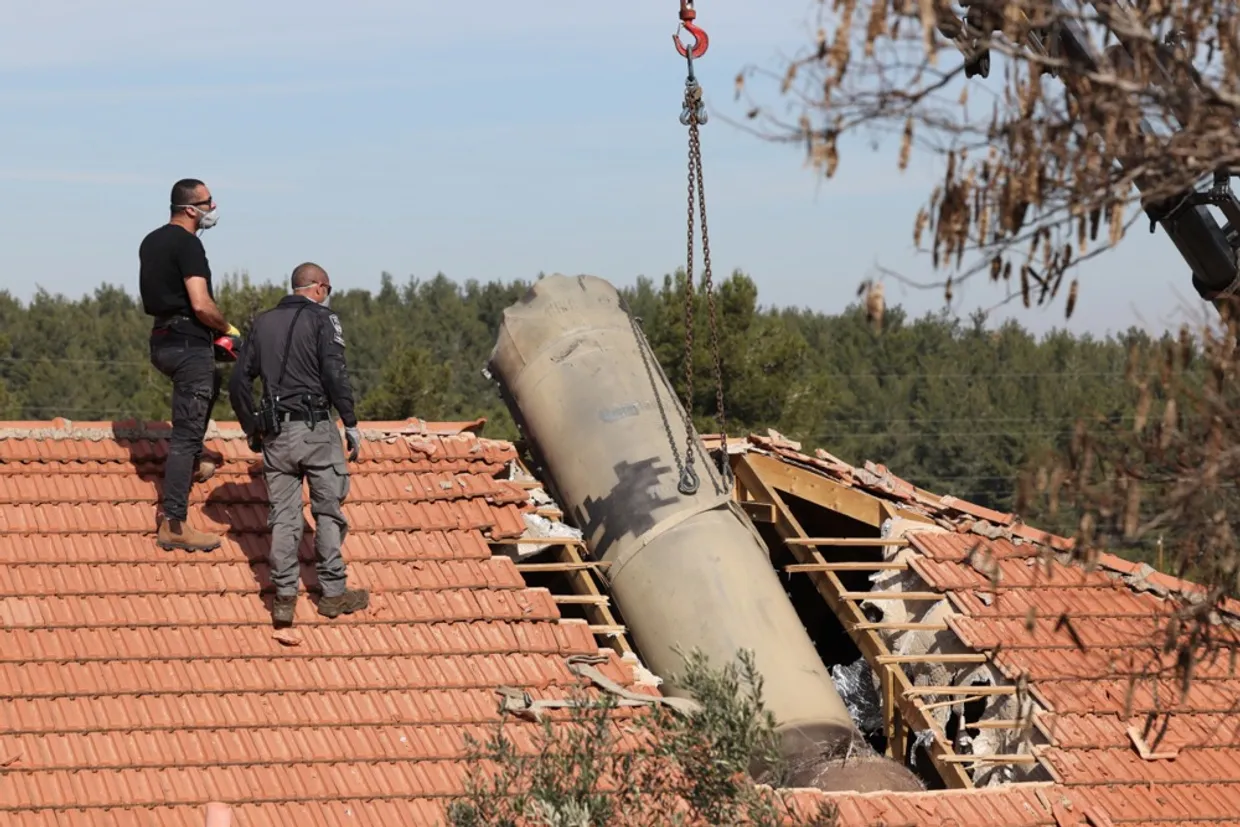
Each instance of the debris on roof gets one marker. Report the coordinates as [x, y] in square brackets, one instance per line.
[1070, 656]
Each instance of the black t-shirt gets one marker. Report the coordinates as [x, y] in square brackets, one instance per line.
[167, 256]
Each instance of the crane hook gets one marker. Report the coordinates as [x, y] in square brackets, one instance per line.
[700, 40]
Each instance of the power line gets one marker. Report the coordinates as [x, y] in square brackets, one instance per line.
[57, 360]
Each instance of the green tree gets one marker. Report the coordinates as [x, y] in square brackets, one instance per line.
[413, 384]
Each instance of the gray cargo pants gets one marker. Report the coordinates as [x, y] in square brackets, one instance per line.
[318, 455]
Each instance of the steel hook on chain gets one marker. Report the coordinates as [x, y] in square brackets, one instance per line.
[694, 108]
[700, 40]
[688, 479]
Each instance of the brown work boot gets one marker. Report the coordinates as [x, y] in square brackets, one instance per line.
[174, 534]
[282, 609]
[204, 470]
[351, 601]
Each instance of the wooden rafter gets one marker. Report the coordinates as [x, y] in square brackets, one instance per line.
[826, 493]
[581, 576]
[602, 621]
[763, 479]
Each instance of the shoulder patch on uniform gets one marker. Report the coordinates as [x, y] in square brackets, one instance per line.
[339, 337]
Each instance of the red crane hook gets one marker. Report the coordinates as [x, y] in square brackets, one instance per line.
[700, 39]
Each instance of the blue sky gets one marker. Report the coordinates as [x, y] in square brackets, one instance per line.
[483, 140]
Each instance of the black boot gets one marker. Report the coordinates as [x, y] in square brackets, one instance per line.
[351, 601]
[282, 609]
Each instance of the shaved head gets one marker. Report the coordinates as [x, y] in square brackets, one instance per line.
[305, 275]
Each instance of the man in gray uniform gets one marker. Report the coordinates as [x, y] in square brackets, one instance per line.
[297, 348]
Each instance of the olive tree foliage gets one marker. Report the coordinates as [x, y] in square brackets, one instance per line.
[603, 765]
[1046, 161]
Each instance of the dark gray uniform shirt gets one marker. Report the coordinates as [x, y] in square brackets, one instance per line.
[316, 365]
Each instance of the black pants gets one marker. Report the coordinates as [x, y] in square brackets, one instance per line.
[190, 364]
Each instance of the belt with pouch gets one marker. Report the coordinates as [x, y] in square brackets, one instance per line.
[312, 415]
[189, 331]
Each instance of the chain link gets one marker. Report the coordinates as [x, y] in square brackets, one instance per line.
[688, 477]
[649, 359]
[724, 468]
[693, 115]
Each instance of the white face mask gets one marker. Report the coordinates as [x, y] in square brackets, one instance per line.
[207, 220]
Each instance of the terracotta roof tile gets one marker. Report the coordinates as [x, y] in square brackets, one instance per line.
[1010, 807]
[140, 684]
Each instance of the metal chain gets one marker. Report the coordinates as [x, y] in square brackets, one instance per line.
[693, 115]
[696, 154]
[648, 360]
[688, 477]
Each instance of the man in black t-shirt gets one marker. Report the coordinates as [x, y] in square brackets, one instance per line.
[175, 284]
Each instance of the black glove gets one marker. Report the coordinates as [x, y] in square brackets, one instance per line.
[256, 443]
[353, 439]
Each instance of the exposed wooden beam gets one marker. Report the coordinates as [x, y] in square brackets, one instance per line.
[826, 493]
[960, 690]
[566, 565]
[758, 512]
[936, 657]
[582, 599]
[1009, 758]
[996, 724]
[752, 470]
[607, 629]
[911, 596]
[847, 541]
[598, 610]
[846, 566]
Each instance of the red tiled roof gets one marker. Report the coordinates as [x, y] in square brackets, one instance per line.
[1090, 718]
[136, 685]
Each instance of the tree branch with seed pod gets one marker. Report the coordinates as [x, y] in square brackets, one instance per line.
[1042, 160]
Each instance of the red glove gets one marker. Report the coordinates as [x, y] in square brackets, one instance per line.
[228, 346]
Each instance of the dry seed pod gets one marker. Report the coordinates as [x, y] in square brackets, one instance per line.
[789, 76]
[877, 26]
[906, 144]
[833, 158]
[928, 28]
